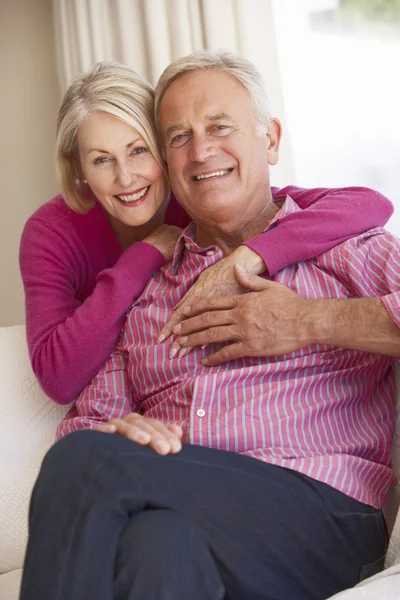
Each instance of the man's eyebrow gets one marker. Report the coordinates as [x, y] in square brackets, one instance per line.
[108, 152]
[177, 127]
[219, 117]
[210, 118]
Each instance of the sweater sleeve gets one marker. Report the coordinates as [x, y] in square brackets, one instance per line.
[329, 217]
[69, 340]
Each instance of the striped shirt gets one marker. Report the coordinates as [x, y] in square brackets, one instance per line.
[323, 411]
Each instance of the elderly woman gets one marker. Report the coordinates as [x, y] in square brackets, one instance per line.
[86, 255]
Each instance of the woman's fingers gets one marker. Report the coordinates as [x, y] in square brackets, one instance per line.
[177, 316]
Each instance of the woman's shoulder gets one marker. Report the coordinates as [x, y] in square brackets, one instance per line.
[55, 215]
[52, 210]
[57, 209]
[55, 229]
[56, 221]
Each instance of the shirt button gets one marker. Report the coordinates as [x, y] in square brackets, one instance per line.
[210, 252]
[200, 412]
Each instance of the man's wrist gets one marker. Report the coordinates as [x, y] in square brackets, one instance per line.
[316, 319]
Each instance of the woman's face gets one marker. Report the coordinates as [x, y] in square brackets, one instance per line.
[120, 169]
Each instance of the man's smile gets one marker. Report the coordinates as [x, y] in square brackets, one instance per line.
[212, 175]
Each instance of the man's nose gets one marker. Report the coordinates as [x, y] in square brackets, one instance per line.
[202, 147]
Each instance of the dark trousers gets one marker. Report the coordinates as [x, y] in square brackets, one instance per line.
[113, 520]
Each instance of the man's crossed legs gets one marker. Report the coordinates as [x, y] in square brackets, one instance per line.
[110, 519]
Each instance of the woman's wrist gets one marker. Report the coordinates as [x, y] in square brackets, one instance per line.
[250, 260]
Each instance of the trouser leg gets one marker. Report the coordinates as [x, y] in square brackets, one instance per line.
[163, 555]
[274, 534]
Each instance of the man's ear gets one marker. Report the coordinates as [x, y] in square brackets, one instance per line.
[274, 134]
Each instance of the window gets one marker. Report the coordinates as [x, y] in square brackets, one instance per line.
[341, 85]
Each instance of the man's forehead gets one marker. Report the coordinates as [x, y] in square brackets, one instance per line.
[201, 95]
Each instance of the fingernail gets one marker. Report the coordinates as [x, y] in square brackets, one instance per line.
[173, 352]
[177, 328]
[183, 339]
[186, 310]
[163, 446]
[161, 338]
[204, 361]
[183, 352]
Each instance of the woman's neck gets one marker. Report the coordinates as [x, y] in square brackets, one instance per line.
[128, 234]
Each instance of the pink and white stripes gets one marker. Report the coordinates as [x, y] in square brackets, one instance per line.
[323, 411]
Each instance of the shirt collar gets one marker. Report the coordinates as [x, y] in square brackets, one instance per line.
[286, 206]
[186, 241]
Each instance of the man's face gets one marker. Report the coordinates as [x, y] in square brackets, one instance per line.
[217, 153]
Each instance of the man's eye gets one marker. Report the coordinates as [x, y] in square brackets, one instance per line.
[179, 140]
[222, 129]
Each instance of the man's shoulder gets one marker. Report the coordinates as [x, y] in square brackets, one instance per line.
[378, 237]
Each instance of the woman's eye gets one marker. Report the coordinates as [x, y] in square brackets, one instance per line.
[178, 140]
[139, 150]
[100, 160]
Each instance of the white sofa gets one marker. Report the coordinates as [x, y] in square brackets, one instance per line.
[27, 425]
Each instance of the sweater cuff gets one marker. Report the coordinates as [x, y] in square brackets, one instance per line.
[139, 261]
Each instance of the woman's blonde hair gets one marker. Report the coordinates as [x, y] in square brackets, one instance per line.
[108, 87]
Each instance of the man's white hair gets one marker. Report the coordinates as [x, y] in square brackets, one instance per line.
[231, 63]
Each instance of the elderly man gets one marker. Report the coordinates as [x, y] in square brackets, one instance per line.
[249, 470]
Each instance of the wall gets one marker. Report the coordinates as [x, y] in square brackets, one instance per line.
[29, 101]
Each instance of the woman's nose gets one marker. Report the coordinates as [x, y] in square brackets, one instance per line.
[124, 175]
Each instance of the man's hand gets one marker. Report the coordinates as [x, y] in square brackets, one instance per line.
[163, 439]
[217, 280]
[270, 320]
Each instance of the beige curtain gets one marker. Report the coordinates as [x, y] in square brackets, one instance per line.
[148, 34]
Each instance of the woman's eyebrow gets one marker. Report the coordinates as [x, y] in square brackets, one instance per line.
[108, 152]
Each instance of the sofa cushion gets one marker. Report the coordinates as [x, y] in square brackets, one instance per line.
[384, 586]
[10, 584]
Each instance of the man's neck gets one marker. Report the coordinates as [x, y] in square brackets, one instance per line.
[230, 234]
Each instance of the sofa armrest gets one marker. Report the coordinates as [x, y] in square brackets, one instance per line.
[28, 420]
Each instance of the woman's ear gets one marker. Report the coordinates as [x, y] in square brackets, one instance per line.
[274, 134]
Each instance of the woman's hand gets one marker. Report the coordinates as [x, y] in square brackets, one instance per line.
[164, 238]
[217, 280]
[163, 439]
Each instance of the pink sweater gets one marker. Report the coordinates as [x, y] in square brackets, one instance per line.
[79, 283]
